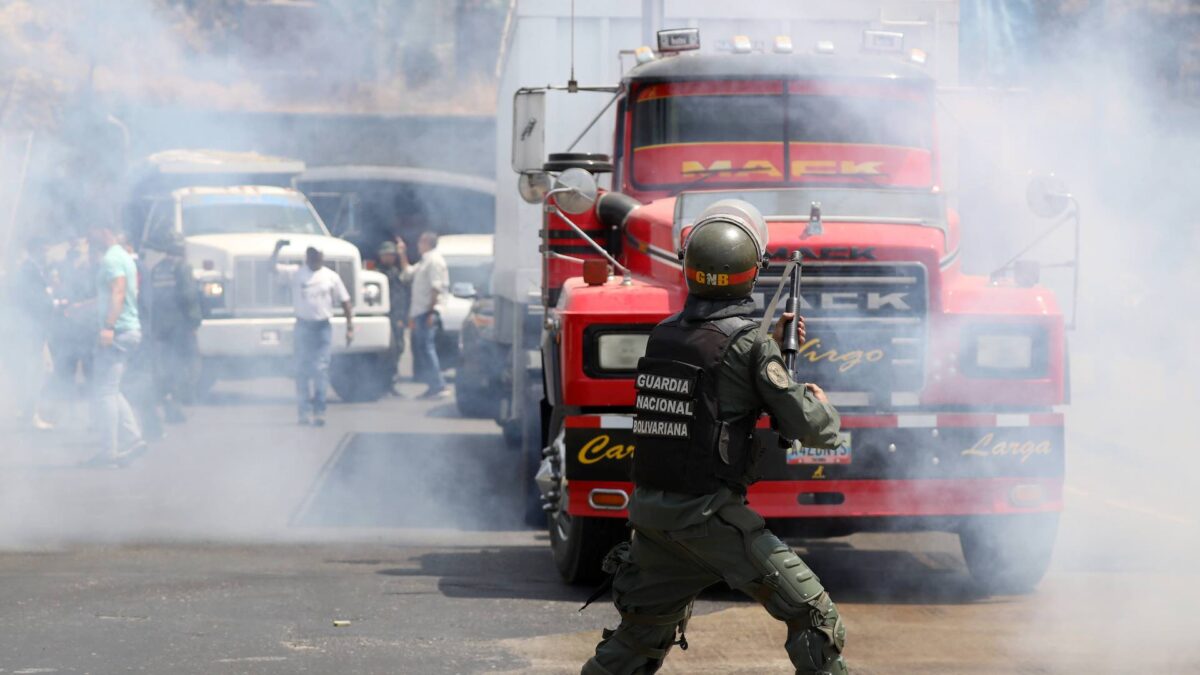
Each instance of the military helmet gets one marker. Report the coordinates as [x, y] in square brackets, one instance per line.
[725, 250]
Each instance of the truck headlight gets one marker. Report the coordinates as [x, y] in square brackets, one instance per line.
[1004, 351]
[620, 351]
[1008, 352]
[372, 293]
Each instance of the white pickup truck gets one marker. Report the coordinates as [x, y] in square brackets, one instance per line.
[247, 326]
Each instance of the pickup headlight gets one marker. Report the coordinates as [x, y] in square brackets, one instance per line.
[372, 293]
[213, 294]
[1004, 351]
[213, 289]
[620, 351]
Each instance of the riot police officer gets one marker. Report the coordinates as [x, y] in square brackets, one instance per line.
[398, 292]
[174, 312]
[708, 374]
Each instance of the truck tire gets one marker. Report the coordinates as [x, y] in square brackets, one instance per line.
[474, 403]
[1008, 555]
[580, 544]
[359, 378]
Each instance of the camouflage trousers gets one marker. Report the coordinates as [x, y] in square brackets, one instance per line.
[659, 574]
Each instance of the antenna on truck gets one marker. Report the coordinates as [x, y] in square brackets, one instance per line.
[572, 83]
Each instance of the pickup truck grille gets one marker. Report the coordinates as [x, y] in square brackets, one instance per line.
[866, 329]
[257, 286]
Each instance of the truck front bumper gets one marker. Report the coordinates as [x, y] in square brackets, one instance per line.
[272, 336]
[902, 466]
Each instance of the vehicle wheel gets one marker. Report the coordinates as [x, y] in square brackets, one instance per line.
[446, 344]
[580, 544]
[511, 429]
[359, 378]
[205, 380]
[1008, 555]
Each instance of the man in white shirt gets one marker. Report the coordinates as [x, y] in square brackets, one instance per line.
[316, 290]
[430, 285]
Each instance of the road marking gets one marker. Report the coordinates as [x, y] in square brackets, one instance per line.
[1145, 511]
[1132, 507]
[253, 659]
[336, 455]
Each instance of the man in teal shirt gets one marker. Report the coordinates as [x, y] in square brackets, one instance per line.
[119, 335]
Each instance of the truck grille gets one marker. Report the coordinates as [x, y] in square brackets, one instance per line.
[866, 329]
[256, 286]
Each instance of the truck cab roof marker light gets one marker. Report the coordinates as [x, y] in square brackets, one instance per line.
[783, 44]
[675, 40]
[824, 47]
[742, 44]
[643, 55]
[918, 56]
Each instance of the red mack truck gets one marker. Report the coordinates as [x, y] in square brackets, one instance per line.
[949, 384]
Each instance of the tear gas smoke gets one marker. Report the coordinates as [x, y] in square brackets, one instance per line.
[1103, 109]
[94, 86]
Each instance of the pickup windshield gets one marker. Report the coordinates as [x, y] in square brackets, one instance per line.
[214, 215]
[475, 270]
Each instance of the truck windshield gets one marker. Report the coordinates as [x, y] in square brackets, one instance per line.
[766, 132]
[248, 216]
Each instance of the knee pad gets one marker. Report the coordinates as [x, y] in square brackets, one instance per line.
[811, 654]
[797, 595]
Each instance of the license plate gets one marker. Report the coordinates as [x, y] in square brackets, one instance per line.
[269, 338]
[798, 454]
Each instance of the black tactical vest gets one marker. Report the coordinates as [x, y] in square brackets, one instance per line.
[166, 310]
[682, 443]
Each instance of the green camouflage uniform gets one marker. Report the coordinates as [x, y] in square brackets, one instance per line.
[683, 544]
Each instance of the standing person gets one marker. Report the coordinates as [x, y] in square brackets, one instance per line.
[430, 283]
[35, 305]
[73, 338]
[118, 339]
[138, 384]
[174, 318]
[389, 265]
[316, 289]
[708, 374]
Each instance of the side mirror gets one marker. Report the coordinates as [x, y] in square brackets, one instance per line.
[578, 191]
[534, 186]
[528, 131]
[1047, 195]
[463, 289]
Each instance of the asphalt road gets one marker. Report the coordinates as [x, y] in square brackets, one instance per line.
[242, 543]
